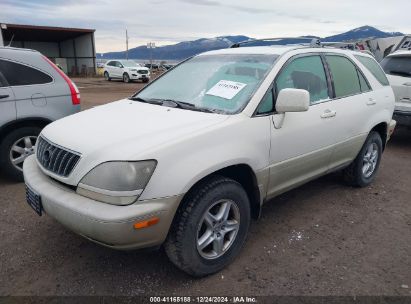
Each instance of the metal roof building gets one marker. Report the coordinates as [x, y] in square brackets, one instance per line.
[72, 48]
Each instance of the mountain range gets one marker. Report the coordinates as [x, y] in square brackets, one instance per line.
[186, 49]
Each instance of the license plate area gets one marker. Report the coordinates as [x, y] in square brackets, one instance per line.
[34, 200]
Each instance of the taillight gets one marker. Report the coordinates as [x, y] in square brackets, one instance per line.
[75, 94]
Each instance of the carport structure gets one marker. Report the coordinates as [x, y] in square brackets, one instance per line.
[73, 49]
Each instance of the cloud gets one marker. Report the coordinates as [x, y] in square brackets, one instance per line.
[203, 2]
[245, 9]
[171, 21]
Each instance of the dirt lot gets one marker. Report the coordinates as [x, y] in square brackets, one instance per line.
[321, 239]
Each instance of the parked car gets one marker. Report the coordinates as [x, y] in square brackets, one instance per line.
[33, 93]
[398, 68]
[190, 159]
[153, 66]
[127, 70]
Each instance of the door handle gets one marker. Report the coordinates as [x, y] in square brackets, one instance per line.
[371, 102]
[408, 84]
[4, 96]
[328, 114]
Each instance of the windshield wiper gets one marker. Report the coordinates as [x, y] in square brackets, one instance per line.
[145, 100]
[174, 104]
[184, 105]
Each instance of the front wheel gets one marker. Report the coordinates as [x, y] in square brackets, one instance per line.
[210, 228]
[107, 76]
[364, 168]
[126, 78]
[15, 148]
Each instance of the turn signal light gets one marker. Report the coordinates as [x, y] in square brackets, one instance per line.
[146, 223]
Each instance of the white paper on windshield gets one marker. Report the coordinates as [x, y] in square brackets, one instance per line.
[226, 89]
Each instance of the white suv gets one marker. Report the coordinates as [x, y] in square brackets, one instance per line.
[191, 158]
[398, 67]
[127, 70]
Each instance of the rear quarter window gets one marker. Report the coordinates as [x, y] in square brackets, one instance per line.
[374, 68]
[18, 74]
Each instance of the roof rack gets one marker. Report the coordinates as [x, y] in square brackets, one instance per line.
[312, 42]
[341, 45]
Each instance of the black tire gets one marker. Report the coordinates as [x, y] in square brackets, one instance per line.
[107, 76]
[145, 80]
[353, 174]
[5, 149]
[126, 78]
[181, 243]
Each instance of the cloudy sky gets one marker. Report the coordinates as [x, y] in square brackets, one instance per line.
[171, 21]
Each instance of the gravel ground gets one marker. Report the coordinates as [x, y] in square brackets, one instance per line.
[323, 238]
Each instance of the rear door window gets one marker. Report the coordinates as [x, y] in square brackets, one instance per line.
[18, 74]
[374, 68]
[305, 73]
[345, 76]
[397, 65]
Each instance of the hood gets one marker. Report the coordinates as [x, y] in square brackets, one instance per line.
[125, 129]
[138, 68]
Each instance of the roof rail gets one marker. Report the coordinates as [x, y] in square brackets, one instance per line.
[340, 45]
[312, 42]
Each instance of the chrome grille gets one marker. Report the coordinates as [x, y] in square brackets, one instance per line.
[56, 159]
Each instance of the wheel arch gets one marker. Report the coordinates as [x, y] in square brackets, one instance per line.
[245, 176]
[21, 123]
[382, 129]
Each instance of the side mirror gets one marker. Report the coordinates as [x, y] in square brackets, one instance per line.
[292, 100]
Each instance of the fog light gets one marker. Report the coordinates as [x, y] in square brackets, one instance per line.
[146, 223]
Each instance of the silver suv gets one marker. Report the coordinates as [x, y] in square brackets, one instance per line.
[397, 66]
[33, 93]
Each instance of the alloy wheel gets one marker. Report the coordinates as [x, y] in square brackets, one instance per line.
[21, 149]
[218, 229]
[370, 160]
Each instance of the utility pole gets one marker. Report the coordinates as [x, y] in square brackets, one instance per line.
[151, 46]
[126, 45]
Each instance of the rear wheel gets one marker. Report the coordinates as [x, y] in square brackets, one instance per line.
[15, 148]
[126, 78]
[107, 76]
[364, 168]
[210, 228]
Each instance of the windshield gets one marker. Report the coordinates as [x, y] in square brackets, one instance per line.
[130, 63]
[397, 65]
[223, 83]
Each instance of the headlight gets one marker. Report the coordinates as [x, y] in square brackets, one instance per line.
[118, 183]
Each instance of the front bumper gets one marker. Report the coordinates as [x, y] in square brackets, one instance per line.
[137, 76]
[106, 224]
[403, 118]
